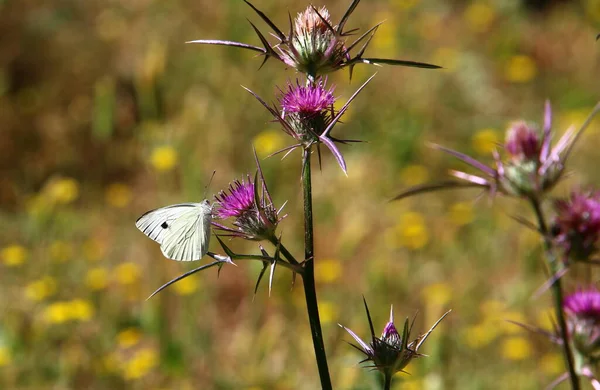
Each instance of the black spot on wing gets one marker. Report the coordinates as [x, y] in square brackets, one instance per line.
[164, 225]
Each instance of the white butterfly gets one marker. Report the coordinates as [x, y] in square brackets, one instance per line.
[182, 230]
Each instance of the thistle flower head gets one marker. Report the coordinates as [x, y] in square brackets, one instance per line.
[315, 45]
[577, 224]
[312, 21]
[251, 207]
[534, 167]
[522, 141]
[582, 309]
[308, 110]
[391, 352]
[584, 304]
[238, 201]
[307, 115]
[308, 100]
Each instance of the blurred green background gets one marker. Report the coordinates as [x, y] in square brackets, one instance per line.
[105, 113]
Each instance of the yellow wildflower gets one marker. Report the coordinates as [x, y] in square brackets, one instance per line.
[269, 141]
[62, 190]
[13, 255]
[80, 309]
[118, 195]
[187, 285]
[5, 357]
[479, 16]
[520, 69]
[413, 175]
[516, 348]
[56, 312]
[461, 213]
[96, 278]
[480, 335]
[164, 158]
[40, 289]
[140, 364]
[129, 337]
[328, 270]
[127, 273]
[412, 230]
[61, 251]
[328, 311]
[485, 141]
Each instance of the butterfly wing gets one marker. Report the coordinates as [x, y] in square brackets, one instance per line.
[188, 236]
[155, 224]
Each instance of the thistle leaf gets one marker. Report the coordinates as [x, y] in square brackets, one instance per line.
[268, 21]
[228, 43]
[387, 61]
[185, 275]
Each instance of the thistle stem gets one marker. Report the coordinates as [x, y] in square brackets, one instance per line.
[277, 243]
[557, 292]
[308, 277]
[387, 385]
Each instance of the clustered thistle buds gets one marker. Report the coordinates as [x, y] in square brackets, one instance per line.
[314, 45]
[391, 352]
[582, 309]
[576, 225]
[251, 207]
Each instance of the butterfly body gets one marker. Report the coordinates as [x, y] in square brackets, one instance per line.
[182, 230]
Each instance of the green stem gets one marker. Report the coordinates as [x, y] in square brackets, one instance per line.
[308, 278]
[554, 265]
[388, 382]
[277, 243]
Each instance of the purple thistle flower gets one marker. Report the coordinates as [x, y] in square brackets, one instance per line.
[308, 116]
[239, 200]
[582, 309]
[584, 304]
[522, 142]
[312, 99]
[250, 205]
[308, 110]
[392, 352]
[577, 224]
[535, 167]
[314, 45]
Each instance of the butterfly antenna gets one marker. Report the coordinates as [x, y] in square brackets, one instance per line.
[208, 185]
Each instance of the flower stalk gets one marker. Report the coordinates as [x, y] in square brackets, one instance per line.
[557, 292]
[308, 277]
